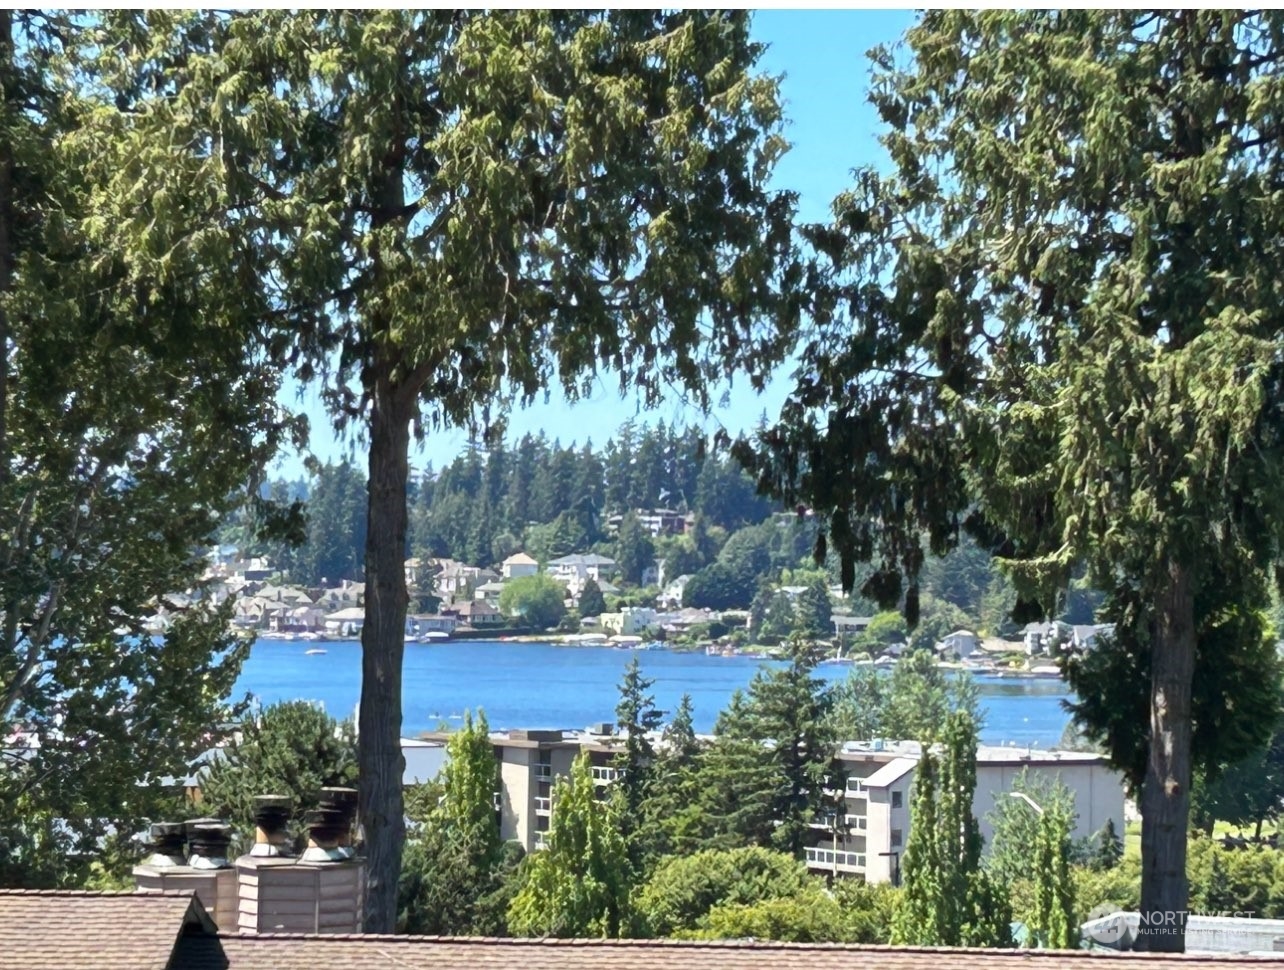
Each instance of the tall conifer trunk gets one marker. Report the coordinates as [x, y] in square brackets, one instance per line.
[8, 89]
[382, 645]
[1165, 794]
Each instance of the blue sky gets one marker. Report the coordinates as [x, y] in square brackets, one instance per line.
[832, 128]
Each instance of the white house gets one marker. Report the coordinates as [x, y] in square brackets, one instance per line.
[591, 566]
[346, 622]
[671, 597]
[518, 565]
[960, 643]
[629, 621]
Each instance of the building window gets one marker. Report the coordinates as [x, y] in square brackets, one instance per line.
[896, 799]
[896, 838]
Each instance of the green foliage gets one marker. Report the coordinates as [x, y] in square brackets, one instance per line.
[1224, 880]
[415, 188]
[1118, 888]
[717, 587]
[134, 406]
[948, 900]
[455, 877]
[883, 630]
[537, 601]
[1246, 793]
[336, 529]
[815, 610]
[1054, 328]
[634, 550]
[939, 618]
[683, 890]
[292, 748]
[913, 702]
[578, 886]
[1235, 700]
[592, 602]
[636, 716]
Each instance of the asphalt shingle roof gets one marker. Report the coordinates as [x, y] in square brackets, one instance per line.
[57, 930]
[169, 931]
[445, 953]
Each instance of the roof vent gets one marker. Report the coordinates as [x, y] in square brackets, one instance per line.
[329, 826]
[165, 839]
[208, 843]
[271, 816]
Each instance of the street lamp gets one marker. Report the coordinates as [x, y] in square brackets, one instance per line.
[1027, 799]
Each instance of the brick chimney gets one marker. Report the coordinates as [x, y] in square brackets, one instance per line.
[322, 891]
[205, 871]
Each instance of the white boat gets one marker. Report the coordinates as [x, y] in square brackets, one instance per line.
[623, 641]
[314, 652]
[432, 635]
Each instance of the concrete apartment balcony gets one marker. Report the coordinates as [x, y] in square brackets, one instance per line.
[603, 775]
[543, 806]
[829, 860]
[541, 841]
[543, 772]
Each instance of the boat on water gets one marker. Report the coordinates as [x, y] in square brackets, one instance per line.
[314, 652]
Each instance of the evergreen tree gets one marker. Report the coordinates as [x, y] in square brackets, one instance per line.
[949, 900]
[292, 748]
[772, 757]
[636, 715]
[578, 886]
[1053, 924]
[454, 862]
[1117, 409]
[1032, 844]
[815, 611]
[680, 743]
[634, 550]
[592, 602]
[434, 286]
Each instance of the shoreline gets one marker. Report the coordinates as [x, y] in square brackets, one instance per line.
[750, 652]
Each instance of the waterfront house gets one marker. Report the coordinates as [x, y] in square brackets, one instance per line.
[671, 596]
[346, 623]
[591, 566]
[420, 623]
[518, 565]
[850, 626]
[628, 621]
[960, 643]
[1042, 638]
[489, 592]
[475, 613]
[1084, 636]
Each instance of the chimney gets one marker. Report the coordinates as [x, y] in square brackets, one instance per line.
[206, 871]
[321, 891]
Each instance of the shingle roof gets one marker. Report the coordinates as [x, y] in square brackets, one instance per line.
[438, 953]
[169, 931]
[64, 930]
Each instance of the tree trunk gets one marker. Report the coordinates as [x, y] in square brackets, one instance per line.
[1165, 794]
[7, 83]
[382, 645]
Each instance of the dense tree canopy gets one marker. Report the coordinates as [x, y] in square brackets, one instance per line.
[132, 401]
[1055, 323]
[460, 207]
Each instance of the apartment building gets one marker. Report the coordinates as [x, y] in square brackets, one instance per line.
[529, 762]
[869, 839]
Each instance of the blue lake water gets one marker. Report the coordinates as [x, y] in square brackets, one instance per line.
[545, 685]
